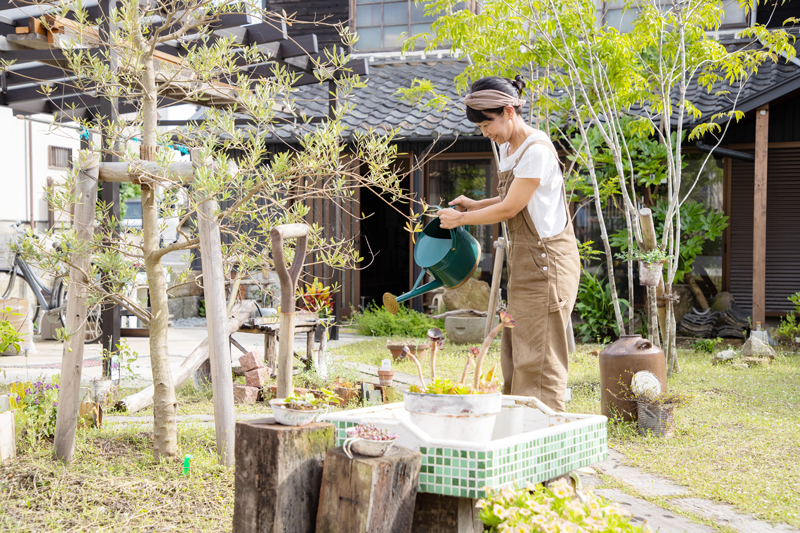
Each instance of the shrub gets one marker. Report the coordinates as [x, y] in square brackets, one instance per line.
[706, 345]
[596, 308]
[379, 322]
[35, 406]
[537, 508]
[789, 329]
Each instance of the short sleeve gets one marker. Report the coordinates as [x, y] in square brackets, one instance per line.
[537, 162]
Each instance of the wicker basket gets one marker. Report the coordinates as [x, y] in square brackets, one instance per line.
[657, 420]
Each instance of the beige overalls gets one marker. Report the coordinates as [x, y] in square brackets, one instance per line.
[543, 276]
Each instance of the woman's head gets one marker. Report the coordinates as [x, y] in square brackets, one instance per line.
[512, 88]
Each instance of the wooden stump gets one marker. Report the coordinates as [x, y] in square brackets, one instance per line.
[278, 475]
[368, 494]
[446, 514]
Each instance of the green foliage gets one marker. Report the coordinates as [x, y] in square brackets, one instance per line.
[698, 225]
[379, 322]
[595, 307]
[309, 401]
[789, 328]
[706, 345]
[442, 386]
[653, 256]
[201, 308]
[35, 406]
[9, 337]
[554, 508]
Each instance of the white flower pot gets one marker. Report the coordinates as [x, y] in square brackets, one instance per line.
[293, 417]
[650, 273]
[464, 417]
[370, 448]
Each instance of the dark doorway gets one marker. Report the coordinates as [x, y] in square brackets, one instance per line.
[384, 245]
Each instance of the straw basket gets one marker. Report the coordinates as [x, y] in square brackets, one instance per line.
[650, 273]
[656, 419]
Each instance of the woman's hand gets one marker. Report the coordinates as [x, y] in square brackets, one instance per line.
[450, 218]
[462, 203]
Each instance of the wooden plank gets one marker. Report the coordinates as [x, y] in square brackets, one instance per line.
[760, 215]
[278, 475]
[726, 233]
[368, 494]
[72, 357]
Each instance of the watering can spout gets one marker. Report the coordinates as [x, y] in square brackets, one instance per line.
[391, 302]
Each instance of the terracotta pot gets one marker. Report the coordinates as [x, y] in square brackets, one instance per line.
[419, 350]
[619, 361]
[347, 394]
[385, 377]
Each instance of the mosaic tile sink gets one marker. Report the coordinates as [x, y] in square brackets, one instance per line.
[548, 446]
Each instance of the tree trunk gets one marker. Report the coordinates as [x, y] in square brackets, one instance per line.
[165, 405]
[72, 359]
[698, 293]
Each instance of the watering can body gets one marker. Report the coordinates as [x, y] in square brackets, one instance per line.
[450, 256]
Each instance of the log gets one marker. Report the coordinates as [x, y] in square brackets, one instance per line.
[125, 173]
[144, 398]
[651, 243]
[220, 348]
[494, 292]
[697, 291]
[72, 358]
[434, 513]
[278, 475]
[368, 494]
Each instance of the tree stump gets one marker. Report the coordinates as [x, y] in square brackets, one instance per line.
[278, 475]
[368, 494]
[446, 514]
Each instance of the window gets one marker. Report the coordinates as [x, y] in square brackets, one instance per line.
[59, 157]
[380, 24]
[617, 16]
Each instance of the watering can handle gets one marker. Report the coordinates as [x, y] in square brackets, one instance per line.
[453, 230]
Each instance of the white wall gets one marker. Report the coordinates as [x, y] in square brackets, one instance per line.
[14, 171]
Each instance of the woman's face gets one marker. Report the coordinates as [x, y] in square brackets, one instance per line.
[500, 127]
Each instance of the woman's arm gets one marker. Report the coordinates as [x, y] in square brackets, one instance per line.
[517, 199]
[471, 205]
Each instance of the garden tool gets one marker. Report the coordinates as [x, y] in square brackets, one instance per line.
[450, 256]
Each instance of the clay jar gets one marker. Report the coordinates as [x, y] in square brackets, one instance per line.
[619, 361]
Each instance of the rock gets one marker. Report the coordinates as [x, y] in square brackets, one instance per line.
[466, 329]
[257, 377]
[251, 361]
[595, 353]
[755, 347]
[755, 361]
[244, 394]
[473, 294]
[725, 356]
[740, 366]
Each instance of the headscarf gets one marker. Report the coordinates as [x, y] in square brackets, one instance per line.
[491, 99]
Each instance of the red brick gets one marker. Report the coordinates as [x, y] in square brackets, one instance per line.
[257, 377]
[251, 360]
[245, 394]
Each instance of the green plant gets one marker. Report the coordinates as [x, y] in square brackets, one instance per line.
[379, 322]
[789, 328]
[9, 337]
[706, 345]
[201, 308]
[554, 508]
[652, 256]
[35, 406]
[309, 401]
[595, 307]
[318, 298]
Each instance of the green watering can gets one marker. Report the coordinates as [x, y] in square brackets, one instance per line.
[450, 256]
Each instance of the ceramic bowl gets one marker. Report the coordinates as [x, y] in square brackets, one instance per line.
[370, 448]
[292, 417]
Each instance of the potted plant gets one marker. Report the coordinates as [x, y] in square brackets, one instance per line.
[459, 411]
[656, 411]
[366, 439]
[301, 409]
[418, 349]
[651, 264]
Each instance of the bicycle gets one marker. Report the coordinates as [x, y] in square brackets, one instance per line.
[52, 301]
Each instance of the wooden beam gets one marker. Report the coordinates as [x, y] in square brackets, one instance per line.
[35, 74]
[727, 173]
[265, 32]
[760, 215]
[122, 172]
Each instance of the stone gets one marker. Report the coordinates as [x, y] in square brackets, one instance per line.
[754, 347]
[250, 361]
[8, 437]
[755, 361]
[725, 356]
[278, 475]
[740, 366]
[474, 294]
[190, 288]
[257, 377]
[466, 329]
[244, 394]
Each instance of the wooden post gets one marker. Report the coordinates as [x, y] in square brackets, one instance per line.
[219, 347]
[760, 215]
[368, 494]
[654, 311]
[288, 279]
[439, 514]
[72, 358]
[144, 398]
[278, 475]
[494, 292]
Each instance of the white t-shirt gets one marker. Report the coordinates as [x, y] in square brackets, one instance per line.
[546, 207]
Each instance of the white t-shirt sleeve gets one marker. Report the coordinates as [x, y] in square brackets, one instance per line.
[537, 162]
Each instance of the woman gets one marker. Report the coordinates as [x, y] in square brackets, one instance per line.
[543, 263]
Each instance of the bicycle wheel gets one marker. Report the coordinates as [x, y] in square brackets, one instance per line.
[94, 319]
[15, 286]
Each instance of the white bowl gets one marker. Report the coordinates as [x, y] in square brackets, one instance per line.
[370, 448]
[292, 417]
